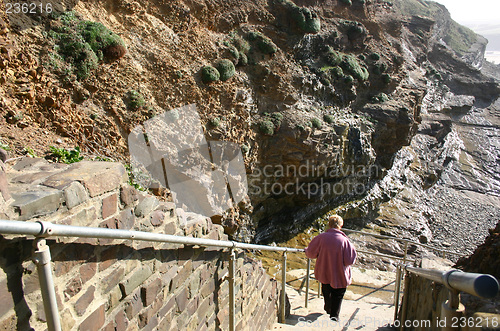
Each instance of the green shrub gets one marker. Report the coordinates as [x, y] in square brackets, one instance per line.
[386, 78]
[235, 54]
[243, 61]
[245, 148]
[350, 63]
[83, 44]
[375, 56]
[337, 72]
[99, 37]
[355, 30]
[380, 68]
[214, 121]
[347, 2]
[65, 156]
[362, 57]
[266, 127]
[276, 118]
[307, 20]
[329, 119]
[241, 44]
[226, 69]
[135, 100]
[333, 57]
[209, 74]
[316, 123]
[379, 98]
[264, 44]
[349, 79]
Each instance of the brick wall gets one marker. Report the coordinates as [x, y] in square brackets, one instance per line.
[120, 284]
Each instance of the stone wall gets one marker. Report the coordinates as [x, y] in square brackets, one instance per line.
[119, 284]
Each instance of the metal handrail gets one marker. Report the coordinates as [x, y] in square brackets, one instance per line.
[42, 230]
[45, 229]
[480, 285]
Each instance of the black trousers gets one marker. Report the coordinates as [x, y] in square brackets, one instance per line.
[333, 300]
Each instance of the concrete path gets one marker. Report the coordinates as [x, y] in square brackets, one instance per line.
[368, 304]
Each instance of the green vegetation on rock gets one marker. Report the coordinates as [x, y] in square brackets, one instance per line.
[135, 100]
[458, 37]
[328, 119]
[351, 64]
[266, 127]
[264, 44]
[307, 20]
[226, 69]
[214, 122]
[209, 74]
[379, 98]
[66, 156]
[316, 123]
[82, 44]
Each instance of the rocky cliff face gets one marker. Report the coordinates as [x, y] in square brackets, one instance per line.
[324, 96]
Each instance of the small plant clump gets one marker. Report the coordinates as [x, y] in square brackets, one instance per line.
[307, 20]
[350, 63]
[328, 119]
[209, 74]
[214, 122]
[337, 72]
[334, 57]
[375, 56]
[346, 2]
[135, 100]
[264, 44]
[226, 69]
[386, 78]
[380, 68]
[266, 127]
[316, 123]
[65, 156]
[379, 98]
[245, 149]
[83, 44]
[349, 80]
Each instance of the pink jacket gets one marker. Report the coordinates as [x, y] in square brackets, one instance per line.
[335, 254]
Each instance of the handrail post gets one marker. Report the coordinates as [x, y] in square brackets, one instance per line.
[307, 280]
[319, 289]
[397, 292]
[42, 259]
[283, 287]
[406, 292]
[232, 258]
[406, 252]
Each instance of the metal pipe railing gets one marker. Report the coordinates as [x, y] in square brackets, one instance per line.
[41, 230]
[45, 229]
[480, 285]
